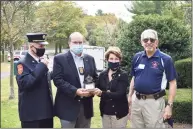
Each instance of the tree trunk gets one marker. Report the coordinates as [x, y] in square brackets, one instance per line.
[56, 48]
[158, 7]
[3, 53]
[60, 47]
[11, 96]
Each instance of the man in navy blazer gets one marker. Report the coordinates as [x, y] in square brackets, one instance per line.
[73, 104]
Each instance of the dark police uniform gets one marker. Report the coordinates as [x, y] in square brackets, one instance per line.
[35, 95]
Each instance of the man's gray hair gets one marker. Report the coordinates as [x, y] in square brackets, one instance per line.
[75, 33]
[148, 31]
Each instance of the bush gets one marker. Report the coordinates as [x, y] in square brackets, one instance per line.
[184, 70]
[182, 109]
[182, 112]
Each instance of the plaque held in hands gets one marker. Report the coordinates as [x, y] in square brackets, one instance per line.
[89, 83]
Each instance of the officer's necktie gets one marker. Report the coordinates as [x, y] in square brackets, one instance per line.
[39, 60]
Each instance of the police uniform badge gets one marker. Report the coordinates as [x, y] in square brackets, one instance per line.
[81, 70]
[20, 69]
[37, 38]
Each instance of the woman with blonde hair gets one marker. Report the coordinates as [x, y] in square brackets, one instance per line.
[111, 87]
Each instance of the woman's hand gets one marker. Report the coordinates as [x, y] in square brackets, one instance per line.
[97, 92]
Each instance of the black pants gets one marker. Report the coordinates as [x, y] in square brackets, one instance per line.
[45, 123]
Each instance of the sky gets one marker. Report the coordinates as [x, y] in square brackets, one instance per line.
[116, 7]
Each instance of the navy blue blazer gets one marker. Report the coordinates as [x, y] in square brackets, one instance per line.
[34, 90]
[66, 79]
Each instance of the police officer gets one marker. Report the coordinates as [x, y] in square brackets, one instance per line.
[33, 79]
[151, 70]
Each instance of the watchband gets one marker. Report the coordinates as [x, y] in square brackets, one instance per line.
[170, 104]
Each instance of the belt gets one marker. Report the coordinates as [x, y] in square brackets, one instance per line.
[151, 96]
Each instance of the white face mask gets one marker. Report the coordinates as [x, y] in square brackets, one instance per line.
[76, 48]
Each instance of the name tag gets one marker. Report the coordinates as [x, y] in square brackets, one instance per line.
[141, 66]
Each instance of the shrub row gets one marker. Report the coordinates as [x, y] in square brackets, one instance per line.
[184, 70]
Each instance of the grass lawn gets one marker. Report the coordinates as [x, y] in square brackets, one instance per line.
[9, 108]
[5, 67]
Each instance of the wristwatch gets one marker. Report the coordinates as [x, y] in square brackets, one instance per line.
[170, 104]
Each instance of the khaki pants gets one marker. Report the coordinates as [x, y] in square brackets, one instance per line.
[110, 121]
[147, 113]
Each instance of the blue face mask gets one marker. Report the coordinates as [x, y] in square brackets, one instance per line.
[76, 49]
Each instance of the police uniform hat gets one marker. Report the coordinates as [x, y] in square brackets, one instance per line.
[37, 38]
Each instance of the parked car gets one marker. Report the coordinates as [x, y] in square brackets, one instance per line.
[19, 54]
[8, 57]
[16, 55]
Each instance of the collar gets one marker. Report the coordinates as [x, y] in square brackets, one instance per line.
[117, 72]
[75, 56]
[34, 57]
[156, 54]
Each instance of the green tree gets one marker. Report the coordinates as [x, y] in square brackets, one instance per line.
[187, 7]
[15, 19]
[101, 29]
[177, 9]
[90, 25]
[99, 12]
[4, 44]
[174, 37]
[59, 19]
[146, 7]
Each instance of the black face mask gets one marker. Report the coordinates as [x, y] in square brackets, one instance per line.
[113, 66]
[40, 51]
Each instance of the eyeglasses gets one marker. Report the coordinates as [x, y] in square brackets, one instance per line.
[149, 39]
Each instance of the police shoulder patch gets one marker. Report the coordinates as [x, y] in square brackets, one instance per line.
[20, 69]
